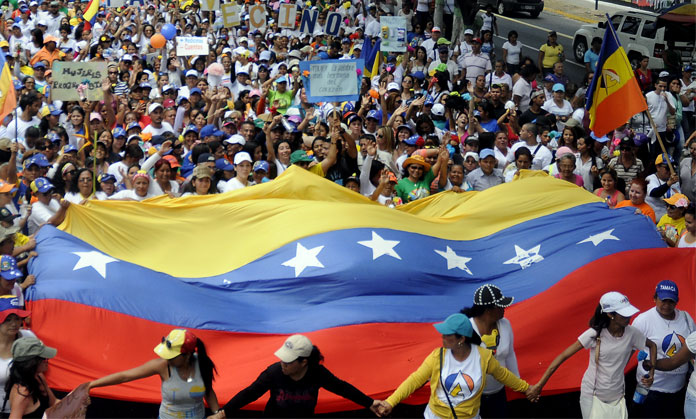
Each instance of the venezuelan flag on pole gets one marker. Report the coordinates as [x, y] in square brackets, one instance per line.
[8, 96]
[91, 10]
[372, 56]
[614, 95]
[365, 283]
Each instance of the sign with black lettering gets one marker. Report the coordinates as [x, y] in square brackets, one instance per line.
[332, 80]
[78, 81]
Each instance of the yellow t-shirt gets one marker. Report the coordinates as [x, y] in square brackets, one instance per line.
[673, 228]
[551, 54]
[20, 239]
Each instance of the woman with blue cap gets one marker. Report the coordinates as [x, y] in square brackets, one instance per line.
[457, 373]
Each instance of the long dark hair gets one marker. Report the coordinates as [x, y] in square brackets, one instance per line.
[599, 320]
[206, 366]
[24, 374]
[314, 359]
[476, 310]
[74, 185]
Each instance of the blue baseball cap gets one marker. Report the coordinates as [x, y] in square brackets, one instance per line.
[666, 290]
[41, 185]
[119, 132]
[9, 304]
[190, 128]
[486, 152]
[218, 133]
[40, 64]
[260, 166]
[419, 75]
[558, 87]
[207, 131]
[412, 140]
[53, 137]
[68, 149]
[54, 111]
[41, 159]
[106, 178]
[195, 90]
[282, 79]
[133, 125]
[456, 323]
[8, 268]
[222, 164]
[373, 114]
[429, 101]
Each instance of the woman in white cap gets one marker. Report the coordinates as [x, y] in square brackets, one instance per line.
[294, 383]
[11, 320]
[457, 373]
[242, 165]
[488, 321]
[611, 341]
[186, 372]
[26, 390]
[667, 326]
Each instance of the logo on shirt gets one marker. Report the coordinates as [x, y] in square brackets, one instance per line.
[672, 343]
[459, 382]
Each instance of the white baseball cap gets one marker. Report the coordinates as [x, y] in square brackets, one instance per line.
[615, 302]
[393, 86]
[236, 139]
[295, 346]
[242, 156]
[154, 107]
[438, 109]
[468, 32]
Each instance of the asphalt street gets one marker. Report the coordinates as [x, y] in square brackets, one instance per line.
[533, 33]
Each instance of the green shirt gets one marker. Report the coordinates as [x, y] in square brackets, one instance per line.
[409, 191]
[284, 100]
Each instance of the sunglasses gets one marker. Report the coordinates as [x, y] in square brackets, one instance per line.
[167, 343]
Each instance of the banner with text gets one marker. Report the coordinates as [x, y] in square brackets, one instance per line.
[78, 81]
[393, 34]
[332, 80]
[191, 45]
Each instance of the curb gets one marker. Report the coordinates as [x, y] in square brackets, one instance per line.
[571, 16]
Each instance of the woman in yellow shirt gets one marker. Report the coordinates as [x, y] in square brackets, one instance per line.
[550, 53]
[457, 374]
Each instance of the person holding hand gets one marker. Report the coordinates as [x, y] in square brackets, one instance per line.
[611, 341]
[457, 373]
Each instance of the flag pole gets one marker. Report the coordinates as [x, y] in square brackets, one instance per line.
[610, 28]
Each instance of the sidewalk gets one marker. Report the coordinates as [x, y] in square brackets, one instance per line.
[583, 10]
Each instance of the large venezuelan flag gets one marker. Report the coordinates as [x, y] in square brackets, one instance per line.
[8, 95]
[613, 96]
[364, 282]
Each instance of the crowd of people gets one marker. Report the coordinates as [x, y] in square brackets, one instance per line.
[454, 112]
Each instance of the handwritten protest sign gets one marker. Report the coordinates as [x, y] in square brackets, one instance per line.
[191, 45]
[72, 406]
[393, 34]
[210, 5]
[72, 79]
[332, 80]
[287, 13]
[230, 15]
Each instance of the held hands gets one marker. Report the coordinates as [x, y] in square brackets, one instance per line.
[382, 409]
[218, 415]
[533, 393]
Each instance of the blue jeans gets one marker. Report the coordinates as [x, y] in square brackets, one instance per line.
[690, 406]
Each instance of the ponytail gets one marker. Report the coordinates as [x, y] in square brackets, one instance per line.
[206, 365]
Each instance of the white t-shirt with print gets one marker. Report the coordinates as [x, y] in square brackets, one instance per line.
[462, 379]
[668, 335]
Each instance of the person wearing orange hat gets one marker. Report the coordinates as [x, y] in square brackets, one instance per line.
[417, 177]
[186, 372]
[49, 52]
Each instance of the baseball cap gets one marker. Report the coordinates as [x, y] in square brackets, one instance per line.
[223, 164]
[241, 157]
[667, 290]
[108, 177]
[456, 323]
[202, 171]
[127, 57]
[663, 74]
[9, 304]
[206, 158]
[236, 139]
[5, 214]
[260, 166]
[662, 159]
[549, 78]
[190, 128]
[299, 156]
[615, 302]
[468, 32]
[489, 294]
[119, 132]
[192, 73]
[153, 107]
[296, 346]
[282, 79]
[438, 109]
[477, 40]
[177, 342]
[486, 152]
[40, 64]
[195, 90]
[67, 149]
[373, 114]
[688, 69]
[678, 200]
[558, 87]
[471, 154]
[392, 86]
[41, 185]
[435, 29]
[8, 268]
[5, 187]
[207, 131]
[134, 124]
[26, 348]
[413, 140]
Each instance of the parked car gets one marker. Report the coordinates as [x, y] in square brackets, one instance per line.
[641, 33]
[533, 7]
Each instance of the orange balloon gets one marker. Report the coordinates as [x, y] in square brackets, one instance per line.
[157, 40]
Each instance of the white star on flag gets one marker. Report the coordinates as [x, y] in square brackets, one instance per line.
[94, 259]
[304, 258]
[454, 260]
[596, 239]
[525, 258]
[380, 246]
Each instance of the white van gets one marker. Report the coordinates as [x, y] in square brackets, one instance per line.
[641, 33]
